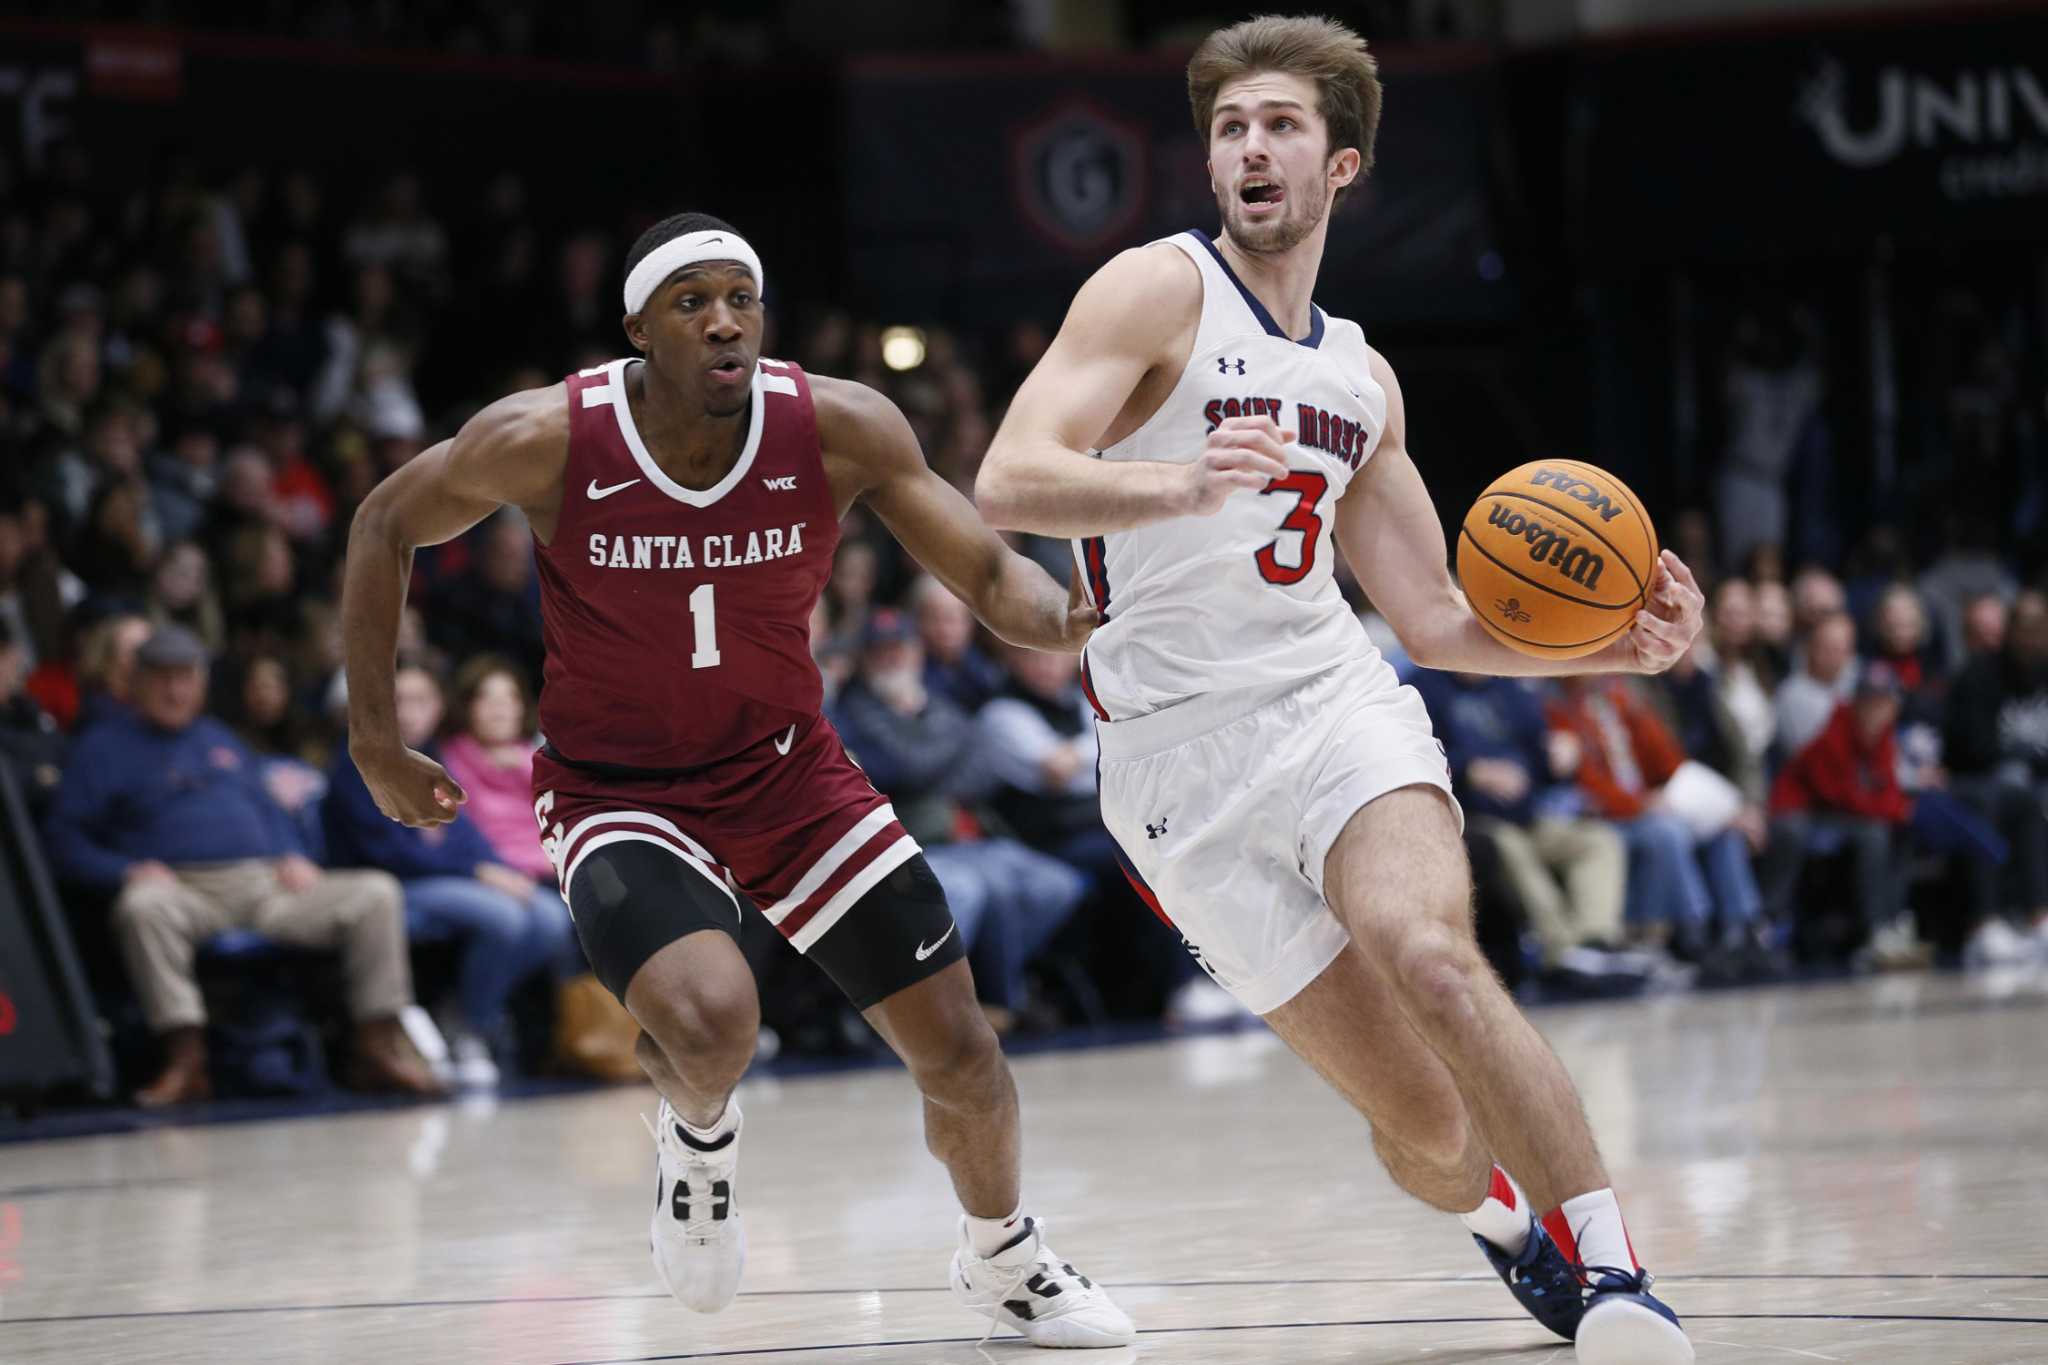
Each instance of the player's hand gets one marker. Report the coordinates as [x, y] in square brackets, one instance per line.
[408, 786]
[1081, 619]
[1670, 620]
[1243, 452]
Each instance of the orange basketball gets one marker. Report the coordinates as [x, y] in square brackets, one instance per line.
[1556, 558]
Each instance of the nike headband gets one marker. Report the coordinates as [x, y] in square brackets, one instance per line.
[688, 249]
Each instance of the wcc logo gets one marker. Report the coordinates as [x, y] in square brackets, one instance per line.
[1079, 175]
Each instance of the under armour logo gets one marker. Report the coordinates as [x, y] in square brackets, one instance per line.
[1154, 831]
[785, 484]
[1223, 366]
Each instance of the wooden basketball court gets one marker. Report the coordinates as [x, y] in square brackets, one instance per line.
[1854, 1172]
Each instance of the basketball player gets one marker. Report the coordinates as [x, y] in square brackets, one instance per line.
[686, 505]
[1205, 433]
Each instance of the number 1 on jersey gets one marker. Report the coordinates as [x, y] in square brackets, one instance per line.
[1308, 488]
[704, 615]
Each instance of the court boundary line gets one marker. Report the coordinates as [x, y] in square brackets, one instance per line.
[250, 1310]
[1296, 1326]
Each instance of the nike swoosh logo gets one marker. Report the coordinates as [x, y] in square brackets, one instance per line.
[782, 745]
[594, 493]
[924, 952]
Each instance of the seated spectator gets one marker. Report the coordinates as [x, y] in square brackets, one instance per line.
[455, 886]
[1507, 771]
[183, 480]
[1843, 786]
[1683, 866]
[258, 702]
[1825, 679]
[1743, 676]
[1038, 743]
[106, 668]
[491, 755]
[1996, 748]
[30, 739]
[161, 807]
[919, 748]
[36, 592]
[181, 594]
[493, 606]
[955, 668]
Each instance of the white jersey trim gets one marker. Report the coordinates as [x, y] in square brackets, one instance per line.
[695, 497]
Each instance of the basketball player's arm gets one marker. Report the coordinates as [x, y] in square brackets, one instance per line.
[874, 454]
[1388, 529]
[1131, 319]
[511, 453]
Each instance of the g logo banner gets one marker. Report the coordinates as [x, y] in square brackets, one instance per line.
[1080, 175]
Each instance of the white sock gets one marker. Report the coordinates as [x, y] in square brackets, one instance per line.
[1589, 1230]
[989, 1235]
[1502, 1218]
[722, 1125]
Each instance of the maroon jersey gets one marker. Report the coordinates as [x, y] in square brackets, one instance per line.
[677, 621]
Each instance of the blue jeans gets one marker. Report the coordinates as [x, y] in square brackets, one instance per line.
[503, 939]
[1689, 882]
[1009, 901]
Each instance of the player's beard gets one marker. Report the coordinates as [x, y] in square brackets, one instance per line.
[1298, 218]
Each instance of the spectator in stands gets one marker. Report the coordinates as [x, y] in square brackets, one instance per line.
[1038, 742]
[1842, 787]
[36, 591]
[491, 756]
[181, 594]
[1688, 859]
[1966, 569]
[106, 668]
[30, 739]
[162, 808]
[1774, 635]
[115, 549]
[259, 703]
[954, 667]
[919, 747]
[1816, 594]
[1997, 748]
[1743, 678]
[1507, 767]
[455, 886]
[1826, 677]
[1984, 619]
[493, 607]
[856, 569]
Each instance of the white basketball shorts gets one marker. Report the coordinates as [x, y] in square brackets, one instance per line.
[1226, 806]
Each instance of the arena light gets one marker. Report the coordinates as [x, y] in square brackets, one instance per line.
[903, 347]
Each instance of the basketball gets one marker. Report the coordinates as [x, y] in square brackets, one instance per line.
[1556, 558]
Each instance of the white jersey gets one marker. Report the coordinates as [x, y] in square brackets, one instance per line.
[1246, 597]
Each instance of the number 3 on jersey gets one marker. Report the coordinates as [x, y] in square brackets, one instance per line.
[1308, 488]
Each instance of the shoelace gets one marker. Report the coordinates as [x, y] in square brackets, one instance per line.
[694, 1229]
[1636, 1281]
[1043, 1263]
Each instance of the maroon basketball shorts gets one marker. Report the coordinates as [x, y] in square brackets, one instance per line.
[793, 825]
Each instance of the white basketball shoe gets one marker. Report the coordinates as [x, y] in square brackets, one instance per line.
[1028, 1287]
[698, 1241]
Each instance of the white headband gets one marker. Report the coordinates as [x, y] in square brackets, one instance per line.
[688, 249]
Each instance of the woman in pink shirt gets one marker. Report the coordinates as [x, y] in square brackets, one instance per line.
[491, 754]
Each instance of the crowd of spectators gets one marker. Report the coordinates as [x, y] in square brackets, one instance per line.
[199, 382]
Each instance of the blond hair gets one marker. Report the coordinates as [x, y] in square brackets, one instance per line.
[1322, 50]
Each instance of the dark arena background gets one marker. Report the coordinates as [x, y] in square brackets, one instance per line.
[1781, 266]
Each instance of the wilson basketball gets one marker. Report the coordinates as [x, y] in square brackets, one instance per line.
[1556, 558]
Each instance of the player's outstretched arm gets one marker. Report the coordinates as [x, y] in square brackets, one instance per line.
[873, 451]
[1134, 318]
[510, 453]
[1388, 530]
